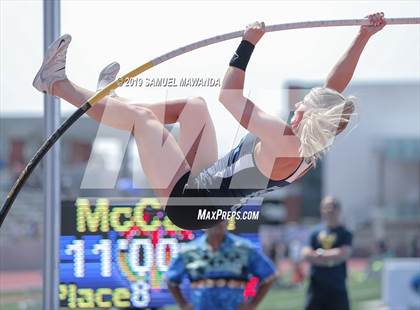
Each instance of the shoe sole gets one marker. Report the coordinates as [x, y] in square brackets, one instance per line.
[51, 52]
[112, 69]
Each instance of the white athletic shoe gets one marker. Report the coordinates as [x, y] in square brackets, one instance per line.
[53, 67]
[108, 75]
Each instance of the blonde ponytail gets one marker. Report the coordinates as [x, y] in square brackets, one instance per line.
[327, 114]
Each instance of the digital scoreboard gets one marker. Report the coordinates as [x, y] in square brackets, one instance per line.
[116, 254]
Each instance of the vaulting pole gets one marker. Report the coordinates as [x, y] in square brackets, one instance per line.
[185, 49]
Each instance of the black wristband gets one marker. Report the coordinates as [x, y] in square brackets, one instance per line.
[242, 55]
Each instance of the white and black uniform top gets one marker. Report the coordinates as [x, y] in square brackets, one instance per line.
[227, 184]
[236, 174]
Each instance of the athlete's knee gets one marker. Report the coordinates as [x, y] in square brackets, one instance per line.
[143, 113]
[142, 116]
[198, 106]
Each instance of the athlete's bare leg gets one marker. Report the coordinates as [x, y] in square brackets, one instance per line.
[164, 161]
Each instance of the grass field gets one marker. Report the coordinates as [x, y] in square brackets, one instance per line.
[293, 299]
[277, 299]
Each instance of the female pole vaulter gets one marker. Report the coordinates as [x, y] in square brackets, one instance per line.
[187, 175]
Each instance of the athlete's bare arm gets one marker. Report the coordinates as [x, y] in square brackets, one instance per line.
[343, 71]
[271, 130]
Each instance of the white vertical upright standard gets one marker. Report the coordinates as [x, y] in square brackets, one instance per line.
[51, 173]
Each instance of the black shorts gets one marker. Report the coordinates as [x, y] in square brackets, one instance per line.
[185, 215]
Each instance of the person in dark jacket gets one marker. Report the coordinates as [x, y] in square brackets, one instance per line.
[328, 250]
